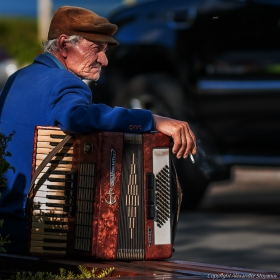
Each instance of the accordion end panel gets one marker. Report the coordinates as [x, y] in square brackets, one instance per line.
[158, 226]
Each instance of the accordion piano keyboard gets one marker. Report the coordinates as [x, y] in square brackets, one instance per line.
[50, 204]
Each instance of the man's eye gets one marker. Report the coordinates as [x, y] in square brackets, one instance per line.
[97, 50]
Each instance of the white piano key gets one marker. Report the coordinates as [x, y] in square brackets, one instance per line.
[59, 157]
[41, 237]
[46, 251]
[43, 219]
[50, 224]
[45, 181]
[58, 131]
[44, 200]
[47, 150]
[52, 176]
[45, 145]
[39, 243]
[67, 166]
[42, 206]
[41, 231]
[42, 212]
[43, 192]
[55, 168]
[50, 138]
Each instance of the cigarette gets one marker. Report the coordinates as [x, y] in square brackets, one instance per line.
[192, 159]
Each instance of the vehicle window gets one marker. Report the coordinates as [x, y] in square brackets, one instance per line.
[239, 42]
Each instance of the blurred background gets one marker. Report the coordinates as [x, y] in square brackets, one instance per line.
[24, 25]
[213, 63]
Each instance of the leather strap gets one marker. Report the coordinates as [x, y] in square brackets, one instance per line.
[179, 197]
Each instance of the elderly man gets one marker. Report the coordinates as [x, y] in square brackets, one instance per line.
[50, 91]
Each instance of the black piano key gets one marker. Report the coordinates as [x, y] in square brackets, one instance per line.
[57, 179]
[53, 215]
[56, 143]
[57, 172]
[57, 161]
[55, 223]
[54, 187]
[55, 230]
[50, 240]
[56, 197]
[50, 248]
[57, 136]
[64, 154]
[57, 205]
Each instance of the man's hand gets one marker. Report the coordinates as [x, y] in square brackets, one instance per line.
[183, 137]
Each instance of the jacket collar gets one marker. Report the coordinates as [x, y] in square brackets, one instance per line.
[48, 60]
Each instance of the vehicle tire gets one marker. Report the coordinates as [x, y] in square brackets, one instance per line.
[164, 96]
[159, 93]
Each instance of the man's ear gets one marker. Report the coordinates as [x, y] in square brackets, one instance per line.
[63, 45]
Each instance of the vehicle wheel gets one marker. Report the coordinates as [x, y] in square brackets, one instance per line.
[164, 96]
[159, 93]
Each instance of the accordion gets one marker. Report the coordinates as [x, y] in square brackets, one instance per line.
[103, 195]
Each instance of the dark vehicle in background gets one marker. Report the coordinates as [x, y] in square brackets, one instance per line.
[213, 63]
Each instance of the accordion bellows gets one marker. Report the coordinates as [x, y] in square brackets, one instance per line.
[104, 195]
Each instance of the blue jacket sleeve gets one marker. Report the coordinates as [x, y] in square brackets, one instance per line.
[71, 109]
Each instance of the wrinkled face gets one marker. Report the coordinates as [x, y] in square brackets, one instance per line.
[86, 58]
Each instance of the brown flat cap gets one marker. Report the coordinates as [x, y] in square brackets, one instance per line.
[71, 20]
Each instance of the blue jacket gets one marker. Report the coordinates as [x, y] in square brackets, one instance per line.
[44, 94]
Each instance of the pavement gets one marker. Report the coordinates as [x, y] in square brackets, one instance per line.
[237, 224]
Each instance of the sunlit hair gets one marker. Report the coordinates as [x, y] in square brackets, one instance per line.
[52, 46]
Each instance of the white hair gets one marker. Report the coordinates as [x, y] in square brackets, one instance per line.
[52, 46]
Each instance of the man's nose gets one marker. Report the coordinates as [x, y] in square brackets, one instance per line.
[102, 58]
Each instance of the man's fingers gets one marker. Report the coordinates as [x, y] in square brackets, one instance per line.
[184, 142]
[191, 139]
[183, 137]
[178, 145]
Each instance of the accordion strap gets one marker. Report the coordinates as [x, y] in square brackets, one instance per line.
[33, 190]
[178, 202]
